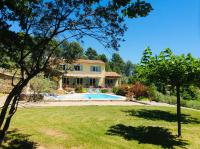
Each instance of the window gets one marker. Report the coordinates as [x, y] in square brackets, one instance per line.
[79, 81]
[66, 81]
[95, 68]
[109, 82]
[77, 68]
[63, 67]
[92, 81]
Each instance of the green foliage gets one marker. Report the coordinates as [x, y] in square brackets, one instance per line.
[103, 58]
[104, 90]
[80, 89]
[71, 50]
[170, 69]
[160, 97]
[195, 104]
[190, 93]
[40, 84]
[129, 68]
[91, 54]
[115, 90]
[117, 64]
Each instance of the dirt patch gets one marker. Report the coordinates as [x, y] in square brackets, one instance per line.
[52, 132]
[78, 147]
[41, 147]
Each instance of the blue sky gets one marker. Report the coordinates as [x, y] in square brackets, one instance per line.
[172, 24]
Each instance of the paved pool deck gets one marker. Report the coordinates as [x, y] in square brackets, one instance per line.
[85, 103]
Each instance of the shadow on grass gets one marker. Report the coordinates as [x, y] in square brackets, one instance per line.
[147, 135]
[161, 115]
[15, 140]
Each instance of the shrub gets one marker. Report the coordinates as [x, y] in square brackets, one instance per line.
[84, 90]
[152, 93]
[190, 93]
[41, 84]
[122, 90]
[80, 89]
[31, 97]
[160, 97]
[193, 104]
[104, 90]
[115, 90]
[139, 90]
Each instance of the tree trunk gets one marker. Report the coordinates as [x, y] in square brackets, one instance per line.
[178, 110]
[5, 115]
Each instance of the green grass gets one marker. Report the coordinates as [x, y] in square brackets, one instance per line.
[103, 127]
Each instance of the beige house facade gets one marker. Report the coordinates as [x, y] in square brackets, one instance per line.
[88, 73]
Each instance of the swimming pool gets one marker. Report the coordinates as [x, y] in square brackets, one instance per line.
[89, 96]
[101, 96]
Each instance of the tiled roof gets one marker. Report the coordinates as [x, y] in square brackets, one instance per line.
[112, 74]
[89, 61]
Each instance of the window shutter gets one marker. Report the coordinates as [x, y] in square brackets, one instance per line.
[99, 68]
[72, 67]
[90, 68]
[81, 67]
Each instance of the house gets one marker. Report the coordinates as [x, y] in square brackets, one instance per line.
[88, 73]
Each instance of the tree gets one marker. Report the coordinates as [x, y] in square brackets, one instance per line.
[68, 50]
[41, 84]
[103, 58]
[117, 64]
[31, 46]
[173, 70]
[91, 54]
[129, 68]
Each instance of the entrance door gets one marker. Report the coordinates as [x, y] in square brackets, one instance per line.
[79, 81]
[109, 82]
[92, 82]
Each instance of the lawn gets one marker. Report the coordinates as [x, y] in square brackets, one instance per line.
[103, 127]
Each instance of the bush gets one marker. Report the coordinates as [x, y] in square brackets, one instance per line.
[139, 90]
[193, 104]
[41, 84]
[115, 90]
[79, 89]
[159, 97]
[104, 90]
[152, 93]
[31, 97]
[190, 93]
[84, 90]
[122, 90]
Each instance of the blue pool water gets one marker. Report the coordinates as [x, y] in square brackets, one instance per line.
[101, 96]
[88, 96]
